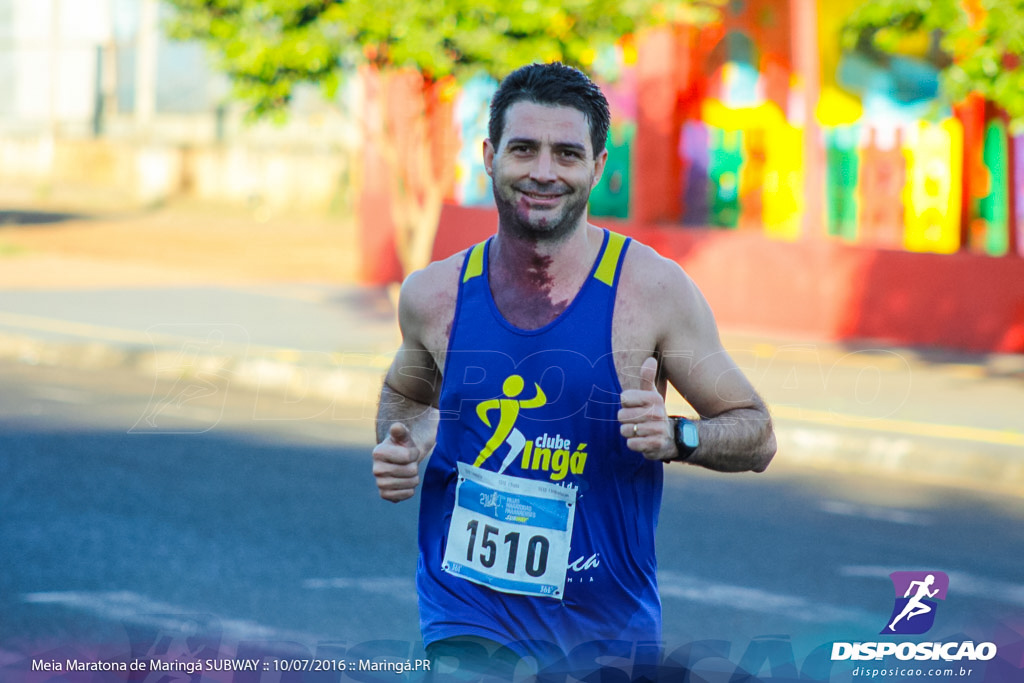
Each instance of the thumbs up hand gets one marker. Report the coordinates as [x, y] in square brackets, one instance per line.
[396, 464]
[643, 420]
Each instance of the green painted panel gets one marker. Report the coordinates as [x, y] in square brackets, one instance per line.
[611, 196]
[726, 159]
[994, 208]
[842, 166]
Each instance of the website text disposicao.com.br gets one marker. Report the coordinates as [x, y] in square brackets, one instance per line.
[954, 660]
[868, 672]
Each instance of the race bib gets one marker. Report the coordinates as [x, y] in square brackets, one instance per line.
[510, 534]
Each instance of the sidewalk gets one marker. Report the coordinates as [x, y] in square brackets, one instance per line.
[267, 306]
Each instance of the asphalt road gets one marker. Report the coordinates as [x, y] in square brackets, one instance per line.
[142, 518]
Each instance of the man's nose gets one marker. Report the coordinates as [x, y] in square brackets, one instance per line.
[544, 167]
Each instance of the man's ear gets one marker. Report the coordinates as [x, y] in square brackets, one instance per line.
[599, 161]
[489, 157]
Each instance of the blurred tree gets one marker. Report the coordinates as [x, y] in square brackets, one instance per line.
[269, 47]
[978, 45]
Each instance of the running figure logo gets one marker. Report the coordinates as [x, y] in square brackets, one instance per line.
[508, 412]
[914, 612]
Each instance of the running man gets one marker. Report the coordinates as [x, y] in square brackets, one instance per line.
[915, 606]
[508, 411]
[599, 323]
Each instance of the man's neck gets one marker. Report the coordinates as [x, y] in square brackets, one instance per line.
[533, 280]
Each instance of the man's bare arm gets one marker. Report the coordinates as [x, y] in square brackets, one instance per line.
[407, 416]
[735, 427]
[409, 395]
[740, 440]
[406, 431]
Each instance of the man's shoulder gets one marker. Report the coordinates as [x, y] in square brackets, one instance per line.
[668, 298]
[431, 291]
[645, 272]
[437, 276]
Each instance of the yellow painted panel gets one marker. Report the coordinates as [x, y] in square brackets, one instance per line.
[932, 195]
[783, 181]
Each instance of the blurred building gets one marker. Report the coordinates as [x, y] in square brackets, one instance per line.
[96, 101]
[49, 63]
[79, 67]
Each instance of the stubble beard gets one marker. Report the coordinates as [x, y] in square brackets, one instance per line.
[547, 229]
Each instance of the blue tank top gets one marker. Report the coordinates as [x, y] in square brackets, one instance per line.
[539, 405]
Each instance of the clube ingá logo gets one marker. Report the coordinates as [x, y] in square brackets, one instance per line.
[913, 612]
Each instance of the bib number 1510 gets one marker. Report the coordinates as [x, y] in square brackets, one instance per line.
[536, 554]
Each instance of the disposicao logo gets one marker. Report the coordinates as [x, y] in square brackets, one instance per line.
[913, 613]
[916, 593]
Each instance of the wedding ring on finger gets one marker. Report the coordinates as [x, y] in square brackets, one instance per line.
[634, 429]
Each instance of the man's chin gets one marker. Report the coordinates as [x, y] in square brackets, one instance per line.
[541, 221]
[543, 230]
[554, 223]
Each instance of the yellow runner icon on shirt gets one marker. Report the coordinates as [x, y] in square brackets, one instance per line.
[508, 412]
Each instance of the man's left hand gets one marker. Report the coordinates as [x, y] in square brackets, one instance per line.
[643, 420]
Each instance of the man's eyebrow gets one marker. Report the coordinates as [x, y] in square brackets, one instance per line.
[522, 141]
[578, 146]
[561, 145]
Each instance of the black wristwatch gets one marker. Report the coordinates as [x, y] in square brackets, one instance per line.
[686, 437]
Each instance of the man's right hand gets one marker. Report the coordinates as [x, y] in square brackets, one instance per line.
[396, 464]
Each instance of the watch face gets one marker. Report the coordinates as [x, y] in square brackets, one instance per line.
[689, 434]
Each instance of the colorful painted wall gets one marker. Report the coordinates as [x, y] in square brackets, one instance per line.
[900, 170]
[810, 192]
[730, 102]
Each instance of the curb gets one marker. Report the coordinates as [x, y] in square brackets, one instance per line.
[998, 470]
[282, 370]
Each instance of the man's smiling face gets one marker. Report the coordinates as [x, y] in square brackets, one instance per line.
[543, 169]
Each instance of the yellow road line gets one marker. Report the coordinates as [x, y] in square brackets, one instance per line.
[1000, 437]
[822, 354]
[99, 332]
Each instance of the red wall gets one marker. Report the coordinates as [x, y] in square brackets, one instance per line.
[824, 289]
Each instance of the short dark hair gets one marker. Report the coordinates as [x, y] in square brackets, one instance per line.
[552, 84]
